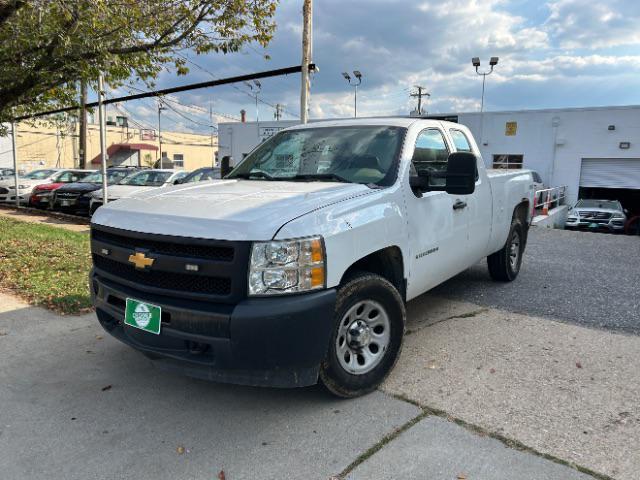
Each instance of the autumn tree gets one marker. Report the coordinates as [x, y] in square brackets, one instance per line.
[48, 46]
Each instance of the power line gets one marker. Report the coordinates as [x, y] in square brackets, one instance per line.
[182, 88]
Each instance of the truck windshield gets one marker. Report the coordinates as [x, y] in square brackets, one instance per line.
[361, 154]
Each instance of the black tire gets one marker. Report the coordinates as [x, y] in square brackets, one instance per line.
[503, 267]
[364, 287]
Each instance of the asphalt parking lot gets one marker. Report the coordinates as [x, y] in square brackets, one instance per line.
[591, 279]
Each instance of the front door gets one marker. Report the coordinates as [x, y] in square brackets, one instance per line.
[437, 230]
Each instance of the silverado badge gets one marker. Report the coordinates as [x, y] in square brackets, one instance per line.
[140, 260]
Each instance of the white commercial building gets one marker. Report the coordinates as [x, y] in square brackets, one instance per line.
[595, 151]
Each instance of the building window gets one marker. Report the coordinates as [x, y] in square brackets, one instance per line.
[508, 161]
[178, 160]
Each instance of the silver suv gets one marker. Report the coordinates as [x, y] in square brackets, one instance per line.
[597, 215]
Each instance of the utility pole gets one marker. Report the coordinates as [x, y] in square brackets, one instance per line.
[82, 147]
[306, 59]
[278, 113]
[103, 138]
[419, 95]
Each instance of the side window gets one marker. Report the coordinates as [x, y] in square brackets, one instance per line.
[431, 154]
[460, 140]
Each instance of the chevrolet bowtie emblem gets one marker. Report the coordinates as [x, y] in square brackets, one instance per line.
[140, 260]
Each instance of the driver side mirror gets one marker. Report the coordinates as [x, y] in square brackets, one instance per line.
[462, 168]
[460, 176]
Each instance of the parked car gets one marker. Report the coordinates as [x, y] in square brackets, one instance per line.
[298, 266]
[74, 198]
[26, 183]
[597, 215]
[41, 194]
[200, 175]
[136, 183]
[5, 173]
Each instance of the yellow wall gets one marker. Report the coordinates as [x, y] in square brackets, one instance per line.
[46, 146]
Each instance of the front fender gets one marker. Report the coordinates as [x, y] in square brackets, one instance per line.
[353, 229]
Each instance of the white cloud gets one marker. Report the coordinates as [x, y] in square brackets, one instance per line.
[594, 23]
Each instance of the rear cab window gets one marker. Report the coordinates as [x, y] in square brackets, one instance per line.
[460, 140]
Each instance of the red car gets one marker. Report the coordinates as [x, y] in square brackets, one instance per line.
[41, 194]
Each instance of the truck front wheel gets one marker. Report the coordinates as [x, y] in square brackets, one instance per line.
[365, 344]
[504, 265]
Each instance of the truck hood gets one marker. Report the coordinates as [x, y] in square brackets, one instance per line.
[116, 192]
[224, 209]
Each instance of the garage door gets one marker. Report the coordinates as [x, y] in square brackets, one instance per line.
[610, 173]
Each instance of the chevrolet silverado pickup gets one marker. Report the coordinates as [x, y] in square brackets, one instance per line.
[296, 266]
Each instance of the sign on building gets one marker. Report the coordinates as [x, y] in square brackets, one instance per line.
[267, 132]
[511, 129]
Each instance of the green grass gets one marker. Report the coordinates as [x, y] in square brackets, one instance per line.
[45, 265]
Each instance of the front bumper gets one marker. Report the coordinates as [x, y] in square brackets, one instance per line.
[276, 342]
[77, 204]
[11, 197]
[612, 225]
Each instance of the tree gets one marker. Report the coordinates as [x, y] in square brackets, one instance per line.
[47, 47]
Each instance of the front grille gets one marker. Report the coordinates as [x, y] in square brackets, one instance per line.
[165, 280]
[209, 252]
[4, 191]
[67, 195]
[587, 215]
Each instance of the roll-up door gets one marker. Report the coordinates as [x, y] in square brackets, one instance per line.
[610, 173]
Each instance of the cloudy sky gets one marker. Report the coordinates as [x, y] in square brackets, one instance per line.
[559, 53]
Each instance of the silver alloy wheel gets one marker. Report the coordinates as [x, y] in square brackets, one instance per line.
[363, 337]
[514, 251]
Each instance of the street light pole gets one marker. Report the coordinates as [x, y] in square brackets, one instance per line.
[160, 108]
[475, 61]
[347, 77]
[103, 139]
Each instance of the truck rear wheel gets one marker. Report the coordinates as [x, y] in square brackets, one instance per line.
[504, 265]
[365, 344]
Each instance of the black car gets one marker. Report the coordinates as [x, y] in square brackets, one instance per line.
[75, 197]
[200, 175]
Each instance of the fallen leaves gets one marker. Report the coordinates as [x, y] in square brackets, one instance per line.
[180, 450]
[221, 475]
[578, 365]
[461, 476]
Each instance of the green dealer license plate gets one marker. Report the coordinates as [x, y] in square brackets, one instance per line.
[143, 316]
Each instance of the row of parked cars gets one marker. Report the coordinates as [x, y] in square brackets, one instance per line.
[80, 191]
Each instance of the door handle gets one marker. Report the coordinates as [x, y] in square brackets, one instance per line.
[459, 205]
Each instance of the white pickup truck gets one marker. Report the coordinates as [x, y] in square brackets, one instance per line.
[297, 266]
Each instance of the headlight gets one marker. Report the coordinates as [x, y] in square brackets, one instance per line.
[618, 216]
[22, 187]
[287, 266]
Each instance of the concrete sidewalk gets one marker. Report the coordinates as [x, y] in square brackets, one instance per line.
[560, 389]
[79, 225]
[76, 404]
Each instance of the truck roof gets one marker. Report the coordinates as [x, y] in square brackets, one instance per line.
[388, 121]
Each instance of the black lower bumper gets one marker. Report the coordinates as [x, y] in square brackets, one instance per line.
[276, 342]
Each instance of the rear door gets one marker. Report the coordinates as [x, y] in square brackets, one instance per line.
[437, 231]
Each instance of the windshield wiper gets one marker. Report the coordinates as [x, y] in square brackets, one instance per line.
[249, 175]
[320, 177]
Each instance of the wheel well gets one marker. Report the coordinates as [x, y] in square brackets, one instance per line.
[522, 212]
[387, 263]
